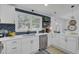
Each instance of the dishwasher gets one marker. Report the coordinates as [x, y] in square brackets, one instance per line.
[43, 41]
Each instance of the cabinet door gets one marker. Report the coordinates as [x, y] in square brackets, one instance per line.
[36, 22]
[3, 47]
[26, 45]
[23, 22]
[56, 39]
[63, 42]
[11, 47]
[0, 13]
[72, 44]
[19, 45]
[35, 44]
[7, 14]
[50, 39]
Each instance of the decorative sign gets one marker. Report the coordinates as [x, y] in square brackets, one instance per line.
[72, 25]
[72, 22]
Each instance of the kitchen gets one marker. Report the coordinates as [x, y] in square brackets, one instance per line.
[39, 29]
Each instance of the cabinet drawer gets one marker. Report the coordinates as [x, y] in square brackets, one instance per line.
[11, 43]
[13, 46]
[11, 50]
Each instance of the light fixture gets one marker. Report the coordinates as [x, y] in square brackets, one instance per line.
[45, 4]
[72, 17]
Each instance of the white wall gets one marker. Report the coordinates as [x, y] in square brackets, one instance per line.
[67, 18]
[58, 21]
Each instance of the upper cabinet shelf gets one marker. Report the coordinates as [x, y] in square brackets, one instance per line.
[46, 22]
[7, 14]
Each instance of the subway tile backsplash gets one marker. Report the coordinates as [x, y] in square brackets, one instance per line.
[9, 27]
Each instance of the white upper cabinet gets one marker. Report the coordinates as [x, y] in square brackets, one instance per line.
[28, 22]
[23, 22]
[7, 14]
[36, 22]
[30, 44]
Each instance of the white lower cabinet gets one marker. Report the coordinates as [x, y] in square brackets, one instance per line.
[13, 46]
[26, 45]
[72, 44]
[56, 40]
[35, 44]
[50, 39]
[23, 45]
[30, 44]
[62, 43]
[69, 44]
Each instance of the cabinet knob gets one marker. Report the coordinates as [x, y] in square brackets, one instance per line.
[0, 19]
[66, 40]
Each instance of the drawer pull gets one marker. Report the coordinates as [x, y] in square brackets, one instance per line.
[31, 41]
[14, 42]
[65, 40]
[14, 48]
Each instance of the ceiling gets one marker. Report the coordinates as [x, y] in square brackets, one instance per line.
[60, 9]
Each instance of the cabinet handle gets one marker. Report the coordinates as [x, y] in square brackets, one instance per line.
[0, 42]
[0, 19]
[2, 46]
[31, 41]
[14, 48]
[14, 42]
[66, 40]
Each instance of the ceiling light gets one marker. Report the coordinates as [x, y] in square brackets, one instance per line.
[45, 4]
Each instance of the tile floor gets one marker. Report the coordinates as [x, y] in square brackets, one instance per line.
[51, 50]
[54, 50]
[42, 52]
